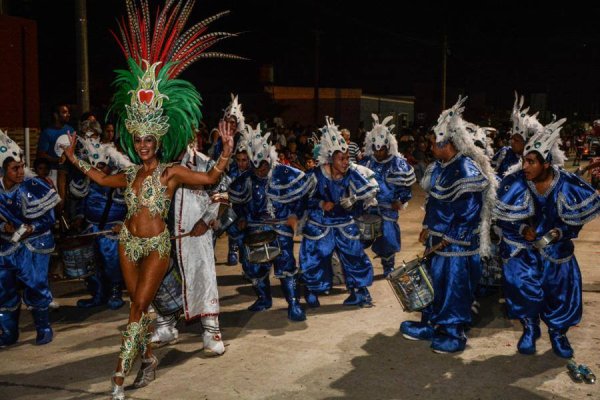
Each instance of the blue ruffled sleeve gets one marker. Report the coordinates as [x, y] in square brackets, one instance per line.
[577, 204]
[240, 193]
[401, 177]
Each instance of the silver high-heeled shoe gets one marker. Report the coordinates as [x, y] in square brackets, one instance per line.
[147, 372]
[118, 393]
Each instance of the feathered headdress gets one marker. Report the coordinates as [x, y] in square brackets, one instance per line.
[235, 110]
[524, 124]
[330, 142]
[444, 129]
[148, 100]
[96, 152]
[480, 137]
[258, 147]
[9, 148]
[381, 136]
[451, 126]
[547, 143]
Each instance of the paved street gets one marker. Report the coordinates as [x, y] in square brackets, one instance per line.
[338, 352]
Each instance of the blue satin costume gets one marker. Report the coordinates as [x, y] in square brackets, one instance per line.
[327, 231]
[26, 262]
[233, 233]
[504, 159]
[395, 178]
[544, 283]
[278, 196]
[452, 212]
[107, 284]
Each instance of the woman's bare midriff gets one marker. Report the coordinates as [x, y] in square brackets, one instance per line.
[145, 225]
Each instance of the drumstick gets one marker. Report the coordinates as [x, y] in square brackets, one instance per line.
[431, 250]
[181, 236]
[90, 234]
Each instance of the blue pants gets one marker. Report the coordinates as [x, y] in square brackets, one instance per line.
[537, 288]
[108, 249]
[318, 245]
[31, 270]
[284, 264]
[453, 284]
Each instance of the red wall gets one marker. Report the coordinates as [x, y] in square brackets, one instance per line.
[19, 84]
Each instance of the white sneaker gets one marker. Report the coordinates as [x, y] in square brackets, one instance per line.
[213, 345]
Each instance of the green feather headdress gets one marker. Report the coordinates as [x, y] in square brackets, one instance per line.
[148, 100]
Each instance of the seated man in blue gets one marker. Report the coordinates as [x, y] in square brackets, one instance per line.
[26, 241]
[461, 194]
[540, 210]
[395, 178]
[524, 126]
[269, 197]
[100, 209]
[330, 226]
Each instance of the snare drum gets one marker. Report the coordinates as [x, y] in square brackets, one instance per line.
[412, 285]
[226, 218]
[491, 271]
[261, 246]
[169, 299]
[79, 257]
[370, 226]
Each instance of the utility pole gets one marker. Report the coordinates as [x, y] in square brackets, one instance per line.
[444, 65]
[83, 79]
[316, 89]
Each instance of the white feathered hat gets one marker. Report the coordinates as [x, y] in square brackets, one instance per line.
[524, 124]
[547, 143]
[235, 110]
[257, 146]
[445, 128]
[381, 136]
[9, 148]
[96, 152]
[330, 142]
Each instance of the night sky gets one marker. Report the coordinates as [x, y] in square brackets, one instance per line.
[383, 47]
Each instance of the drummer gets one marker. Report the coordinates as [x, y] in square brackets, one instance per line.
[270, 193]
[100, 209]
[26, 241]
[461, 188]
[329, 226]
[395, 177]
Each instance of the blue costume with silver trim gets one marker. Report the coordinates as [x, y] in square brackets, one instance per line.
[32, 203]
[453, 213]
[544, 283]
[276, 197]
[504, 159]
[395, 178]
[328, 231]
[107, 283]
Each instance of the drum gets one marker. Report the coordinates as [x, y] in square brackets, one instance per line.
[370, 226]
[169, 299]
[261, 246]
[491, 269]
[337, 270]
[79, 257]
[412, 285]
[226, 218]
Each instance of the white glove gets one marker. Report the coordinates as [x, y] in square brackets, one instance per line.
[370, 202]
[348, 202]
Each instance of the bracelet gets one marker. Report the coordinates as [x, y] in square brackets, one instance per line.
[84, 166]
[218, 169]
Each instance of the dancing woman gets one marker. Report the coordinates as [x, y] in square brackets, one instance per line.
[155, 115]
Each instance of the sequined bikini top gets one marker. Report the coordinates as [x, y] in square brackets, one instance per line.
[152, 194]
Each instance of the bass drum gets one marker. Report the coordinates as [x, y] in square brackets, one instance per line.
[169, 298]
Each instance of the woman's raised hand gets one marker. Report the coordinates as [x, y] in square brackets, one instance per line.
[226, 132]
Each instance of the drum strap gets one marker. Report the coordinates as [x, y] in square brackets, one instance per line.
[106, 209]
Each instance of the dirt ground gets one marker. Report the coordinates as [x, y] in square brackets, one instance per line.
[337, 353]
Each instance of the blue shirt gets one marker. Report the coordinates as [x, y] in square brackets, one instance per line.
[48, 139]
